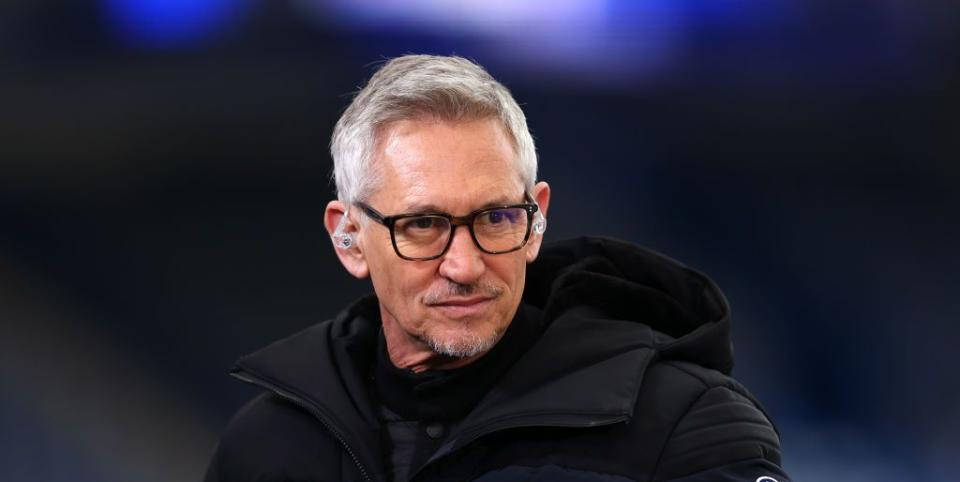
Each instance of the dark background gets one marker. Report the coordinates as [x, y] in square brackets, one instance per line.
[164, 167]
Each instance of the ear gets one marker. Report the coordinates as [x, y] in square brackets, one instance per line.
[351, 256]
[541, 195]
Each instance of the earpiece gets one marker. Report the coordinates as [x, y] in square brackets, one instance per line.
[341, 239]
[539, 223]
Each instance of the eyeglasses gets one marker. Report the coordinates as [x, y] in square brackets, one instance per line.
[426, 236]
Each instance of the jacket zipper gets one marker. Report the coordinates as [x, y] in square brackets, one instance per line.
[497, 426]
[312, 409]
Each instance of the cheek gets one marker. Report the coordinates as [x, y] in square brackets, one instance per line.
[387, 278]
[511, 272]
[405, 283]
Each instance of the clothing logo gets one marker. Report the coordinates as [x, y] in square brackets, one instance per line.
[766, 479]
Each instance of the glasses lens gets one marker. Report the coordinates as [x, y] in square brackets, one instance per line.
[501, 229]
[421, 236]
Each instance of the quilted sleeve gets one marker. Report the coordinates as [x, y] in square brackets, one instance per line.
[722, 428]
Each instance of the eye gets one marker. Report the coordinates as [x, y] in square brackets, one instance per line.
[423, 223]
[421, 226]
[500, 216]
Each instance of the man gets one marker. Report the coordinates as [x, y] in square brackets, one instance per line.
[601, 361]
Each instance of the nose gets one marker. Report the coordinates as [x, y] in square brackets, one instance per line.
[463, 261]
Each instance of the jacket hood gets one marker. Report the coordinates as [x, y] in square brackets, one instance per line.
[686, 311]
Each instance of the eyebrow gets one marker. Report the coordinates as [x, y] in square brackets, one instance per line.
[430, 208]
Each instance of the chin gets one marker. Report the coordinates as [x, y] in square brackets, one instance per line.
[462, 343]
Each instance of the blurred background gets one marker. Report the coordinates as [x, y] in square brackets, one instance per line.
[164, 168]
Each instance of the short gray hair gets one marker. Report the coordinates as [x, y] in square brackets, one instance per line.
[418, 86]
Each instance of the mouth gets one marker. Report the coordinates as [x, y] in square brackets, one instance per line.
[463, 307]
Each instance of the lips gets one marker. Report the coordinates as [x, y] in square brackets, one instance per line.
[463, 307]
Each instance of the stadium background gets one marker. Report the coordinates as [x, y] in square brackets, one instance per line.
[164, 167]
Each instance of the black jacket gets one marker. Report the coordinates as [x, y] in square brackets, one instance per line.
[629, 381]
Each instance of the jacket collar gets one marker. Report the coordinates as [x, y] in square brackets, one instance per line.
[324, 369]
[583, 371]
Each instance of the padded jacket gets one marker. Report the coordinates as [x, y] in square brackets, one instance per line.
[629, 381]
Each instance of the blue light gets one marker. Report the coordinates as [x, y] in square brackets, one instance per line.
[165, 24]
[611, 42]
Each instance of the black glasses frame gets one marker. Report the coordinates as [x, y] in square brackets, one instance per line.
[455, 221]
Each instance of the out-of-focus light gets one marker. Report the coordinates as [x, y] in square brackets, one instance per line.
[602, 41]
[163, 24]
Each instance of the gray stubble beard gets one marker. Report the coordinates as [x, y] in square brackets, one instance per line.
[463, 348]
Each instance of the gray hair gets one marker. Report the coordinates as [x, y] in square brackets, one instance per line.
[418, 86]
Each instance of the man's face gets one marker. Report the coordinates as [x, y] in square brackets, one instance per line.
[460, 303]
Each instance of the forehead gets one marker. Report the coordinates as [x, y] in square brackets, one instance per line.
[452, 166]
